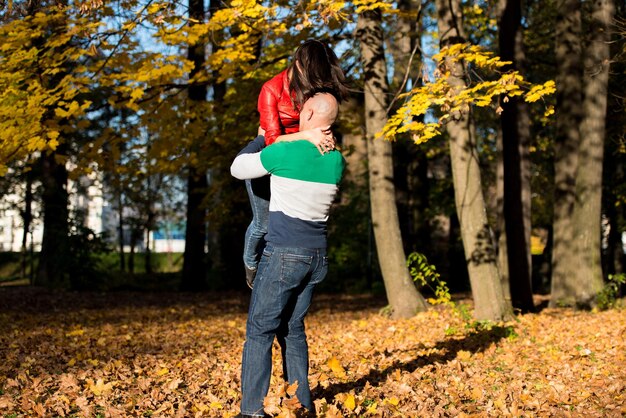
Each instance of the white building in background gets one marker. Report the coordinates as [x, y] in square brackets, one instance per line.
[12, 223]
[88, 203]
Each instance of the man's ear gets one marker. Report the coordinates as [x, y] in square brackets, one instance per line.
[308, 115]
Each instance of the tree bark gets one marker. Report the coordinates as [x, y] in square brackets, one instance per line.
[148, 258]
[355, 142]
[52, 270]
[489, 300]
[503, 257]
[569, 115]
[588, 214]
[131, 253]
[120, 209]
[406, 37]
[515, 125]
[402, 294]
[53, 258]
[194, 263]
[411, 164]
[614, 260]
[27, 217]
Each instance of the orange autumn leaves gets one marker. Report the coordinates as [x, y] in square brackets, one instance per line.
[174, 355]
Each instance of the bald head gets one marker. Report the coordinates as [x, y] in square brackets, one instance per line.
[320, 111]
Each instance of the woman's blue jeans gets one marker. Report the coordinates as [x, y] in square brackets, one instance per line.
[254, 241]
[281, 297]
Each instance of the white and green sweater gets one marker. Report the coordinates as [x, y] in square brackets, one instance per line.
[303, 186]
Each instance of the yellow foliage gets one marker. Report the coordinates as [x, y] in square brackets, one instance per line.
[99, 388]
[336, 367]
[538, 91]
[367, 5]
[440, 96]
[350, 402]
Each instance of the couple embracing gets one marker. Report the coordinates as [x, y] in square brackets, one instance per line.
[292, 171]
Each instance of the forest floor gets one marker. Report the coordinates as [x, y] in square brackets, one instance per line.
[169, 355]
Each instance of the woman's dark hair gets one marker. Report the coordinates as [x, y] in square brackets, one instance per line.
[315, 69]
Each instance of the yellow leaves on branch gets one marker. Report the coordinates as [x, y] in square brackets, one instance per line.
[368, 5]
[470, 54]
[446, 100]
[538, 91]
[330, 10]
[40, 82]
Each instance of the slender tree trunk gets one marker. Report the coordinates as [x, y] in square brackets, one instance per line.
[457, 267]
[515, 125]
[489, 300]
[412, 164]
[148, 258]
[569, 115]
[223, 238]
[406, 37]
[152, 190]
[53, 258]
[120, 209]
[27, 217]
[588, 214]
[131, 254]
[402, 294]
[194, 263]
[503, 256]
[614, 213]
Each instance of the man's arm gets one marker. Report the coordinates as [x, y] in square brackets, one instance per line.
[247, 164]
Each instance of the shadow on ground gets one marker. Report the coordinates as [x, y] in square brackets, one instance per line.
[442, 352]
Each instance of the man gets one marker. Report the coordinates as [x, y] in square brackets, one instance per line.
[303, 185]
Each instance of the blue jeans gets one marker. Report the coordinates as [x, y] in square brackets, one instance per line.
[281, 297]
[258, 192]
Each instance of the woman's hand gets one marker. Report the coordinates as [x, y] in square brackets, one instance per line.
[322, 138]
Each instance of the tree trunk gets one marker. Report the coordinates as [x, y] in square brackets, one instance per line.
[152, 190]
[148, 258]
[53, 258]
[411, 164]
[52, 270]
[503, 257]
[223, 238]
[614, 260]
[489, 300]
[569, 115]
[355, 143]
[27, 217]
[588, 214]
[515, 124]
[120, 209]
[131, 254]
[402, 294]
[194, 263]
[406, 37]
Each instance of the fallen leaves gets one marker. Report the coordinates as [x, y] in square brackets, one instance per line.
[336, 367]
[128, 355]
[283, 402]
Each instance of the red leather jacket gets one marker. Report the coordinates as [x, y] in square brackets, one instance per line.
[278, 116]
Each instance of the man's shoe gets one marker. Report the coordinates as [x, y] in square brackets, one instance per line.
[250, 275]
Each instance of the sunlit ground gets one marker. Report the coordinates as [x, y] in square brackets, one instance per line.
[168, 355]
